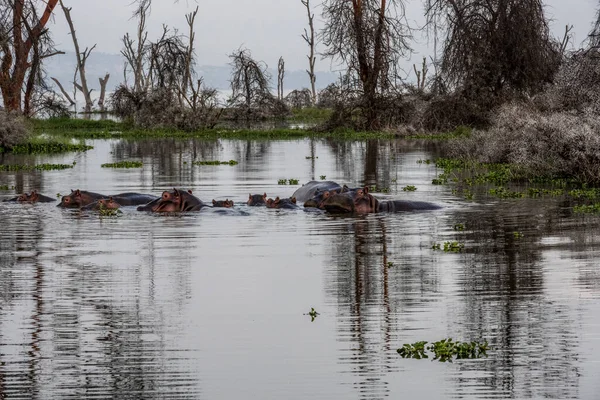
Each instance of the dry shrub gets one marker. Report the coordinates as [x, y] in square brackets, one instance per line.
[13, 129]
[160, 109]
[445, 113]
[576, 85]
[297, 99]
[558, 144]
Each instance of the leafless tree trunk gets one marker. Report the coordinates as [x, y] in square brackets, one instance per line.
[280, 74]
[103, 82]
[15, 48]
[63, 91]
[81, 60]
[309, 37]
[421, 75]
[135, 54]
[187, 79]
[369, 37]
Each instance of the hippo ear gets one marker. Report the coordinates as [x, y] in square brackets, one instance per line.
[214, 202]
[110, 198]
[345, 188]
[77, 193]
[366, 190]
[264, 195]
[250, 196]
[190, 191]
[277, 199]
[176, 192]
[230, 202]
[294, 200]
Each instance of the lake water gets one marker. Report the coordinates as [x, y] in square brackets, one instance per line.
[211, 305]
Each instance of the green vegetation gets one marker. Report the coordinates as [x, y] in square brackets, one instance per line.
[6, 187]
[230, 162]
[109, 212]
[287, 181]
[376, 189]
[389, 264]
[311, 158]
[449, 247]
[587, 209]
[39, 167]
[459, 227]
[445, 350]
[123, 164]
[313, 314]
[517, 235]
[310, 114]
[424, 162]
[323, 177]
[82, 129]
[409, 188]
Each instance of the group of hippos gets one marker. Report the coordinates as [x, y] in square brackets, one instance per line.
[324, 195]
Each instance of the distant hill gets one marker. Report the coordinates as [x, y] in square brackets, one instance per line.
[62, 68]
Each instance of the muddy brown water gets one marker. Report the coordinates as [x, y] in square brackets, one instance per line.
[212, 304]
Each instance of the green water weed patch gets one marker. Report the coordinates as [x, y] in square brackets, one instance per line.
[123, 164]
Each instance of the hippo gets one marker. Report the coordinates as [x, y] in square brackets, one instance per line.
[257, 200]
[362, 202]
[310, 189]
[33, 197]
[319, 197]
[282, 203]
[176, 201]
[103, 204]
[223, 203]
[81, 198]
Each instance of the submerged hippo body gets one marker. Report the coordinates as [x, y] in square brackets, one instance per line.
[362, 202]
[33, 197]
[81, 198]
[179, 200]
[312, 188]
[289, 204]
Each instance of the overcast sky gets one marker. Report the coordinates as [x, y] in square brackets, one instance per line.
[269, 28]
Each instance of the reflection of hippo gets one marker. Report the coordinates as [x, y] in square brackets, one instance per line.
[176, 201]
[257, 200]
[310, 189]
[282, 203]
[223, 203]
[33, 197]
[102, 204]
[362, 202]
[81, 198]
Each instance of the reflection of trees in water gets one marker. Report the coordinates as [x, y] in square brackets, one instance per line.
[503, 300]
[81, 338]
[369, 296]
[22, 180]
[369, 162]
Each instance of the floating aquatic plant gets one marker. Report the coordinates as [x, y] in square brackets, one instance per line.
[38, 167]
[409, 188]
[459, 227]
[323, 177]
[123, 164]
[6, 187]
[445, 350]
[313, 314]
[216, 162]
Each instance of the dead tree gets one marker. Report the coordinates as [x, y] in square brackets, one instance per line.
[309, 38]
[21, 35]
[280, 75]
[494, 46]
[63, 91]
[189, 61]
[368, 37]
[134, 52]
[81, 60]
[249, 79]
[103, 82]
[421, 75]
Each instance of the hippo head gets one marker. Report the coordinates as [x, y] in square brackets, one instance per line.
[319, 198]
[73, 200]
[364, 202]
[22, 198]
[257, 199]
[108, 204]
[223, 203]
[339, 203]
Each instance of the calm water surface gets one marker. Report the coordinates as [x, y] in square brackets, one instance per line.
[212, 304]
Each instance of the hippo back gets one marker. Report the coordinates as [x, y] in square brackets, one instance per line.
[310, 189]
[406, 205]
